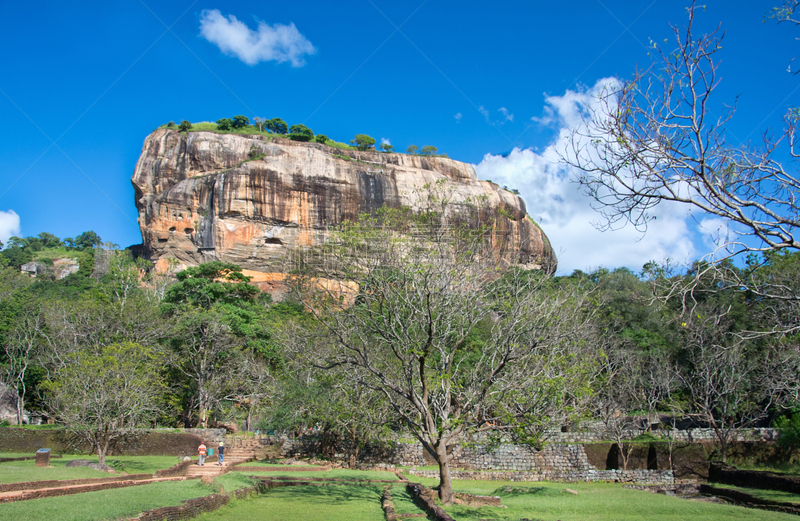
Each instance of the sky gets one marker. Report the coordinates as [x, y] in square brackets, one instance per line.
[494, 84]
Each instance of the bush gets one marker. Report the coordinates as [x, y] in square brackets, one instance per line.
[321, 138]
[224, 124]
[300, 132]
[240, 122]
[363, 141]
[277, 126]
[185, 126]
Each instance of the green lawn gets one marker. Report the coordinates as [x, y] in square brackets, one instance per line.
[771, 495]
[106, 504]
[308, 503]
[16, 471]
[336, 473]
[595, 501]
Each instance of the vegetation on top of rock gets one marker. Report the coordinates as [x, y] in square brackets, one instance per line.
[363, 142]
[300, 132]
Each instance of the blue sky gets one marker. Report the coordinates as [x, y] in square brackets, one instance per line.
[83, 83]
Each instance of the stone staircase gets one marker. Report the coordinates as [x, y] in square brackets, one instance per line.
[237, 450]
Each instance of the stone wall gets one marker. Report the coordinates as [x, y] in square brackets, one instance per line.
[687, 435]
[648, 477]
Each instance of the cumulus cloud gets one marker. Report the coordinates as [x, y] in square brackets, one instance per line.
[385, 141]
[565, 213]
[280, 43]
[9, 225]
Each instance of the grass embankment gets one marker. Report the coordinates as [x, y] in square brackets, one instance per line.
[770, 495]
[18, 471]
[107, 504]
[336, 473]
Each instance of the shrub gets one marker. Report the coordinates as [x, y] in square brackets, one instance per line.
[321, 138]
[224, 124]
[277, 126]
[300, 132]
[240, 122]
[363, 141]
[185, 126]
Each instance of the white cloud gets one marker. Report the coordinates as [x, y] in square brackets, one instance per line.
[458, 117]
[280, 43]
[484, 112]
[385, 141]
[506, 115]
[9, 225]
[565, 213]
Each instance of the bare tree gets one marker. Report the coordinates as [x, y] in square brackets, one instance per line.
[419, 307]
[20, 350]
[106, 395]
[654, 140]
[724, 376]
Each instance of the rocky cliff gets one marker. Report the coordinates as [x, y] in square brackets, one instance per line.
[246, 199]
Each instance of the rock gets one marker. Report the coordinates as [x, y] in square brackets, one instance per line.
[201, 198]
[88, 463]
[187, 458]
[79, 463]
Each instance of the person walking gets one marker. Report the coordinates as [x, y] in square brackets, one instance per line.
[201, 454]
[220, 449]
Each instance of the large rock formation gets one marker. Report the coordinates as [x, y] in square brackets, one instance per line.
[245, 199]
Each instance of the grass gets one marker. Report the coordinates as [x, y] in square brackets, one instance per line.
[312, 503]
[336, 473]
[780, 468]
[17, 471]
[595, 501]
[106, 504]
[771, 495]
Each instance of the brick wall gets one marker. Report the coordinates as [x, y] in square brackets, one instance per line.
[194, 507]
[54, 483]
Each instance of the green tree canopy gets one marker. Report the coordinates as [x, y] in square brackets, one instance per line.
[300, 132]
[276, 126]
[240, 121]
[363, 141]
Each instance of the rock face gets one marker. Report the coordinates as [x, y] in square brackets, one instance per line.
[204, 196]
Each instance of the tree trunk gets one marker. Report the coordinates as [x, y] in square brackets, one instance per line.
[20, 409]
[445, 485]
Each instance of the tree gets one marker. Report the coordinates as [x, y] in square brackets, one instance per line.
[277, 126]
[653, 140]
[240, 122]
[104, 396]
[321, 138]
[224, 124]
[300, 132]
[185, 126]
[428, 151]
[87, 240]
[412, 149]
[387, 147]
[259, 123]
[725, 379]
[209, 307]
[20, 350]
[363, 142]
[418, 309]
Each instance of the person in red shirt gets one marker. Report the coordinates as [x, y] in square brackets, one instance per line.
[201, 454]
